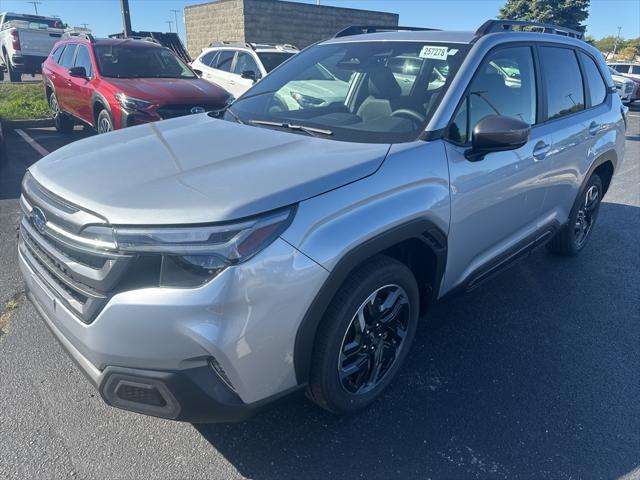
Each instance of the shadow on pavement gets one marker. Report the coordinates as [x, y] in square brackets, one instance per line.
[19, 155]
[533, 375]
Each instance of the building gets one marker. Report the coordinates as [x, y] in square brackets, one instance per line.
[272, 21]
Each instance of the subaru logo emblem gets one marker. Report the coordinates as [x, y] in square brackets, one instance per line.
[38, 220]
[197, 110]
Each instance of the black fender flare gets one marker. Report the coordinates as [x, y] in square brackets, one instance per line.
[97, 97]
[421, 229]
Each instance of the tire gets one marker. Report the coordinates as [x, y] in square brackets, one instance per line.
[13, 75]
[1, 75]
[574, 236]
[104, 124]
[62, 122]
[377, 351]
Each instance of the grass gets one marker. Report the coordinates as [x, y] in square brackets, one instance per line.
[23, 102]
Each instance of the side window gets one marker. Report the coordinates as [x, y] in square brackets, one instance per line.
[66, 60]
[635, 69]
[245, 62]
[505, 84]
[208, 58]
[597, 87]
[565, 93]
[225, 59]
[57, 53]
[621, 68]
[83, 59]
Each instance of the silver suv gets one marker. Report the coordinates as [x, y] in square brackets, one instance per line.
[201, 267]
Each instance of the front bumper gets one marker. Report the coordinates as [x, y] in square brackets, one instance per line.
[212, 354]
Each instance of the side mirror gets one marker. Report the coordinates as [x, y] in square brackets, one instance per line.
[495, 133]
[78, 72]
[249, 75]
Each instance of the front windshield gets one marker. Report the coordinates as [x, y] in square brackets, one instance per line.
[271, 60]
[375, 92]
[125, 61]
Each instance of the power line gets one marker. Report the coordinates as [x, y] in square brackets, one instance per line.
[175, 14]
[35, 5]
[169, 22]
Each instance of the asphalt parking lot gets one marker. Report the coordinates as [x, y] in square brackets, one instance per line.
[534, 375]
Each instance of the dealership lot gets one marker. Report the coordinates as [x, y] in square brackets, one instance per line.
[535, 374]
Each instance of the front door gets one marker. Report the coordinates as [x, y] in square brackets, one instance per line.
[496, 202]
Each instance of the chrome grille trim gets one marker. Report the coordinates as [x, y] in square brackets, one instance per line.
[78, 271]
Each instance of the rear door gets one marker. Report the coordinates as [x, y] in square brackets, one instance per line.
[81, 89]
[62, 82]
[496, 202]
[576, 127]
[221, 73]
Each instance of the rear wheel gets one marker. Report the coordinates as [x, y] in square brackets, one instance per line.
[62, 122]
[575, 235]
[365, 336]
[105, 122]
[13, 75]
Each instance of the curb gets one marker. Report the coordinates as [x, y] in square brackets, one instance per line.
[13, 124]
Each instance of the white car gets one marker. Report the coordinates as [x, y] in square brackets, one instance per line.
[625, 86]
[236, 66]
[627, 69]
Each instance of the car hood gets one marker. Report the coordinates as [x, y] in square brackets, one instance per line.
[198, 169]
[177, 90]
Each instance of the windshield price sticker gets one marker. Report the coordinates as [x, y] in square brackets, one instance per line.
[434, 53]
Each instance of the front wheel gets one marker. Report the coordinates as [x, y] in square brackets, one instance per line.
[364, 336]
[574, 236]
[105, 123]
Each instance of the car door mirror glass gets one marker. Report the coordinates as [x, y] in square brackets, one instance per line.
[78, 72]
[496, 133]
[249, 75]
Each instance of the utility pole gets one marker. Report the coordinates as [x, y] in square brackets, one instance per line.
[126, 17]
[169, 22]
[615, 45]
[35, 5]
[175, 14]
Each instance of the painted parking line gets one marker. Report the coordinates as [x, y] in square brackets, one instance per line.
[633, 115]
[36, 146]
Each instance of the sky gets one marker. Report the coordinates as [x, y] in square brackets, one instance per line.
[103, 16]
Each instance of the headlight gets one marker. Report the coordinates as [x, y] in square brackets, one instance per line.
[131, 103]
[191, 256]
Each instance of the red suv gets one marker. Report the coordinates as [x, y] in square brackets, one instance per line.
[116, 83]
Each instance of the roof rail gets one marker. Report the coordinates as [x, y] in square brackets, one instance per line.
[143, 39]
[78, 34]
[360, 29]
[279, 46]
[491, 26]
[230, 43]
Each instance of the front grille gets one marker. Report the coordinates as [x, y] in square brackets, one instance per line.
[628, 88]
[180, 110]
[82, 278]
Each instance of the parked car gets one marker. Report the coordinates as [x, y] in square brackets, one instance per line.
[199, 268]
[110, 84]
[25, 42]
[236, 66]
[628, 69]
[625, 87]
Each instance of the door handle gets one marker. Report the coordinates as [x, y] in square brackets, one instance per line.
[232, 82]
[594, 128]
[540, 150]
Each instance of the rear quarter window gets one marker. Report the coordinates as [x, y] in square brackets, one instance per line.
[595, 82]
[57, 53]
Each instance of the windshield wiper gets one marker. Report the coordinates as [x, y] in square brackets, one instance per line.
[308, 130]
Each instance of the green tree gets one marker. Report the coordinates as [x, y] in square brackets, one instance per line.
[566, 13]
[606, 44]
